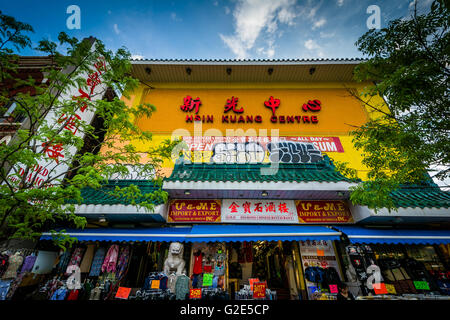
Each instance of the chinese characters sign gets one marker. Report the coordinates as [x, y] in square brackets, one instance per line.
[323, 212]
[238, 115]
[194, 211]
[260, 211]
[58, 156]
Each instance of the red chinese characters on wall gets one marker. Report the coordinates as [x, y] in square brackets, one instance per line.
[231, 104]
[312, 105]
[72, 122]
[53, 151]
[273, 104]
[190, 104]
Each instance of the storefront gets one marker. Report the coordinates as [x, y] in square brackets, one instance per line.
[256, 209]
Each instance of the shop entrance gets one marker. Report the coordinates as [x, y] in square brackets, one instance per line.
[263, 261]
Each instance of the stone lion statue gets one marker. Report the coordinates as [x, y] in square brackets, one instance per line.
[174, 261]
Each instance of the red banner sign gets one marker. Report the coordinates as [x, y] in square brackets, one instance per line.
[323, 212]
[194, 211]
[324, 144]
[259, 290]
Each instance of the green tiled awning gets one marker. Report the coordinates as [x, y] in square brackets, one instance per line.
[323, 171]
[428, 195]
[104, 195]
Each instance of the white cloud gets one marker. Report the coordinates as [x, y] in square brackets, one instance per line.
[254, 17]
[227, 10]
[286, 16]
[216, 3]
[340, 3]
[116, 28]
[235, 46]
[319, 23]
[312, 13]
[137, 56]
[312, 45]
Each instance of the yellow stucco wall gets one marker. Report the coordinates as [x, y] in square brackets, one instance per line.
[339, 115]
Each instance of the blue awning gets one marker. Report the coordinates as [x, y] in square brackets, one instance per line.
[228, 233]
[206, 233]
[108, 234]
[370, 235]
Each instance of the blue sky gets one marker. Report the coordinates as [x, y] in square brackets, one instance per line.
[213, 29]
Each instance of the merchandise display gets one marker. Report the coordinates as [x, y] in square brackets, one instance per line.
[259, 270]
[410, 272]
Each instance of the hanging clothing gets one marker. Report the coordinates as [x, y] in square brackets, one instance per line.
[59, 294]
[235, 270]
[73, 295]
[171, 282]
[95, 293]
[97, 262]
[289, 266]
[163, 282]
[86, 291]
[14, 285]
[87, 259]
[64, 260]
[4, 288]
[52, 285]
[109, 264]
[75, 259]
[182, 287]
[3, 263]
[123, 262]
[241, 254]
[28, 264]
[14, 263]
[248, 251]
[198, 260]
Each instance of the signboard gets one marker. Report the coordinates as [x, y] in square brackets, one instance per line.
[207, 279]
[259, 290]
[251, 282]
[421, 285]
[260, 211]
[54, 163]
[123, 293]
[323, 211]
[155, 284]
[195, 293]
[194, 211]
[380, 288]
[261, 149]
[333, 288]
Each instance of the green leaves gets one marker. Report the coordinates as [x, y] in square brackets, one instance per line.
[409, 66]
[32, 197]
